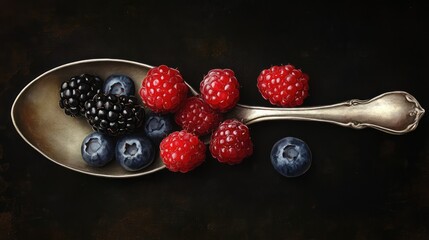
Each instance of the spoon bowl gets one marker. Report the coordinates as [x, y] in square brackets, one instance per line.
[44, 126]
[40, 121]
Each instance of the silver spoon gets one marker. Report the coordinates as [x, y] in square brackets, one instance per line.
[44, 126]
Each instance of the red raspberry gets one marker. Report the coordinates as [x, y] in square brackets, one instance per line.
[220, 89]
[182, 151]
[283, 86]
[163, 89]
[231, 142]
[197, 117]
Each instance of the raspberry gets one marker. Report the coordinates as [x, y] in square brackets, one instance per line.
[197, 117]
[283, 86]
[220, 89]
[182, 151]
[163, 89]
[231, 142]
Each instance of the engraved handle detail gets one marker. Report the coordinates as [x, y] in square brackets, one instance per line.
[392, 112]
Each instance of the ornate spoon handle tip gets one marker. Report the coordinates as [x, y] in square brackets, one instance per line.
[392, 112]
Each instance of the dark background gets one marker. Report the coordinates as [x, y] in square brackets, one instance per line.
[363, 184]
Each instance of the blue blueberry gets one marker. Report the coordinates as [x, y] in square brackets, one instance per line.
[157, 127]
[291, 157]
[119, 85]
[97, 149]
[134, 152]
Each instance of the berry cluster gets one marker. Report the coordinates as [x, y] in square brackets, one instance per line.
[116, 115]
[182, 151]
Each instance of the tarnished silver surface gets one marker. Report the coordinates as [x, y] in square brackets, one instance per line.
[42, 124]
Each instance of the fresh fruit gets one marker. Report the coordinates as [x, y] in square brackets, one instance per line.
[220, 89]
[182, 151]
[283, 86]
[134, 152]
[119, 85]
[231, 142]
[291, 157]
[163, 89]
[114, 115]
[197, 116]
[75, 91]
[97, 149]
[158, 126]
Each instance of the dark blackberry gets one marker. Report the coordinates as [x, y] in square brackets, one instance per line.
[114, 115]
[76, 91]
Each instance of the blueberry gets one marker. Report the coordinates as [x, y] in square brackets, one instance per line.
[291, 157]
[97, 149]
[119, 85]
[157, 127]
[134, 152]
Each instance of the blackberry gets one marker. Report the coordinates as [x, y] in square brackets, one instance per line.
[114, 115]
[76, 91]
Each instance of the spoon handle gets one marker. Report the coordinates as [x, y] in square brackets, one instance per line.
[392, 112]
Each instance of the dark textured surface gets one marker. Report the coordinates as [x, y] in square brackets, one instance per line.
[362, 185]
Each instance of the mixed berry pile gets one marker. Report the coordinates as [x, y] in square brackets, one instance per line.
[171, 121]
